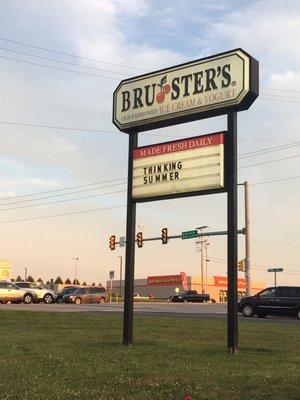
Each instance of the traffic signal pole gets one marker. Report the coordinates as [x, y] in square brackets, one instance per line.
[130, 247]
[247, 240]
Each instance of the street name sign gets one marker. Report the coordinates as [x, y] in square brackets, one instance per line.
[122, 241]
[195, 90]
[189, 234]
[275, 269]
[179, 167]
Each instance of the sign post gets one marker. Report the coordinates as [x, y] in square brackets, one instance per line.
[221, 84]
[275, 270]
[232, 249]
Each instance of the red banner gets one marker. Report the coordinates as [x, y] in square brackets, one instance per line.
[223, 281]
[179, 145]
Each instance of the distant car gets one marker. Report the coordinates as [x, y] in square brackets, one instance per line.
[10, 292]
[86, 295]
[45, 295]
[280, 300]
[66, 290]
[190, 296]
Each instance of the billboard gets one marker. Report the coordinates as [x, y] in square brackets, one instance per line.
[191, 91]
[177, 167]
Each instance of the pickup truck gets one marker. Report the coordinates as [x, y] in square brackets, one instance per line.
[190, 296]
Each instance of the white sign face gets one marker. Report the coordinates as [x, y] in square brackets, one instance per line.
[184, 91]
[181, 166]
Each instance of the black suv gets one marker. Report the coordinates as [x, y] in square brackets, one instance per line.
[280, 300]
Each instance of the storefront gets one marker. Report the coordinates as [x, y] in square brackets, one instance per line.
[164, 286]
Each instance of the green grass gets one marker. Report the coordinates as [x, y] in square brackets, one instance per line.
[80, 356]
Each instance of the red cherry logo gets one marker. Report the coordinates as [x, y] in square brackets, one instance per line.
[166, 89]
[187, 397]
[160, 97]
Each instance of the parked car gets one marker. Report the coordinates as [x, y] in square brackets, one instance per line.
[66, 290]
[190, 296]
[45, 295]
[86, 295]
[280, 300]
[11, 292]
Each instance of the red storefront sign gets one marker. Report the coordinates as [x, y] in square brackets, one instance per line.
[223, 281]
[164, 280]
[184, 279]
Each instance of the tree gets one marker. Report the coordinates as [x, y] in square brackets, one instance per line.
[58, 280]
[76, 282]
[19, 279]
[99, 284]
[48, 283]
[84, 283]
[40, 280]
[93, 284]
[68, 281]
[30, 279]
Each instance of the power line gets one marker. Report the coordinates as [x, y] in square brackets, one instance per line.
[280, 90]
[61, 215]
[64, 62]
[55, 195]
[270, 149]
[63, 201]
[270, 161]
[70, 54]
[276, 180]
[62, 189]
[275, 243]
[59, 68]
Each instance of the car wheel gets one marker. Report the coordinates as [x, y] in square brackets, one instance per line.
[78, 300]
[298, 313]
[248, 310]
[48, 298]
[27, 299]
[101, 300]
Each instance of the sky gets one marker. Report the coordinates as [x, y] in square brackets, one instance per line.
[60, 63]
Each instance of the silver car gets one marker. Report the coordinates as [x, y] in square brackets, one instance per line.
[45, 295]
[9, 292]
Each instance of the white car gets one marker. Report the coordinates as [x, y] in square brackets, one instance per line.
[45, 295]
[9, 292]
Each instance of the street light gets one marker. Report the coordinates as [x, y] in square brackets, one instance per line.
[201, 228]
[76, 259]
[25, 273]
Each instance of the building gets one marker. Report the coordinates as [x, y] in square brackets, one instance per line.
[164, 286]
[5, 270]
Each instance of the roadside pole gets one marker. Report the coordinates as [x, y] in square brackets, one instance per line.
[121, 262]
[130, 247]
[247, 239]
[232, 245]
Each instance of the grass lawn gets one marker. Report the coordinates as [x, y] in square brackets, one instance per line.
[80, 356]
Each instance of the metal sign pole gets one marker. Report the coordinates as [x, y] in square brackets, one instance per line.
[232, 245]
[130, 247]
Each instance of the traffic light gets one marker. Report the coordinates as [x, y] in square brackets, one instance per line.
[164, 235]
[139, 239]
[241, 265]
[112, 242]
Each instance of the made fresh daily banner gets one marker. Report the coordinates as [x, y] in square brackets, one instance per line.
[195, 90]
[182, 166]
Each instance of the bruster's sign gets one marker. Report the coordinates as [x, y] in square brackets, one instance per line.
[196, 90]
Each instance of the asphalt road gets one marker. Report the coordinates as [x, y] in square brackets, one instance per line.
[194, 310]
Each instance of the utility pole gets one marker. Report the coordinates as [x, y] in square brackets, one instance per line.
[121, 260]
[247, 240]
[202, 241]
[206, 244]
[76, 259]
